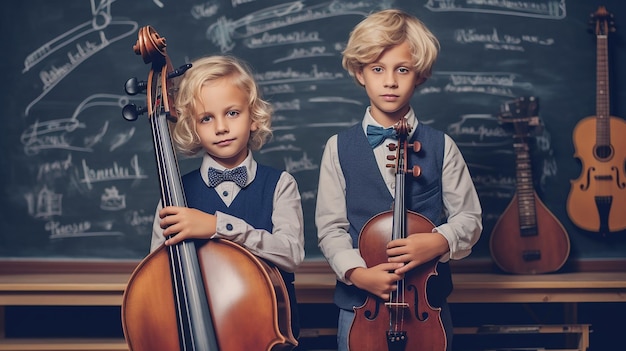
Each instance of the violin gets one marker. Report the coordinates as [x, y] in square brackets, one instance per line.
[406, 321]
[195, 295]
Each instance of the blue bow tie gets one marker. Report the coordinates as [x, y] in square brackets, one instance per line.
[376, 135]
[238, 175]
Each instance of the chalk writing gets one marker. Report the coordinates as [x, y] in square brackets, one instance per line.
[84, 41]
[74, 230]
[303, 164]
[548, 9]
[54, 167]
[495, 41]
[224, 31]
[290, 75]
[46, 204]
[482, 130]
[490, 83]
[112, 200]
[115, 172]
[269, 39]
[138, 218]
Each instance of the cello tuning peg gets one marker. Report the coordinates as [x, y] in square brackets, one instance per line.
[392, 147]
[391, 157]
[133, 86]
[179, 72]
[131, 112]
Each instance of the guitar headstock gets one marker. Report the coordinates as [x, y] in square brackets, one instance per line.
[601, 23]
[522, 112]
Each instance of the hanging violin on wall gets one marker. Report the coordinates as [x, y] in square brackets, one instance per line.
[406, 322]
[196, 295]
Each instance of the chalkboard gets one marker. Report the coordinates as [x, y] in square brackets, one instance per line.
[79, 182]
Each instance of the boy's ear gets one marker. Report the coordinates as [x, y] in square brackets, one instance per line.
[254, 126]
[359, 77]
[419, 81]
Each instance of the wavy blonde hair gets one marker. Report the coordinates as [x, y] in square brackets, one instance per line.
[385, 29]
[207, 69]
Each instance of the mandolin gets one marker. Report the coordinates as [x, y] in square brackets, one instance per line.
[527, 238]
[597, 199]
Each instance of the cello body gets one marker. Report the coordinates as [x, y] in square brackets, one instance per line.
[248, 299]
[196, 295]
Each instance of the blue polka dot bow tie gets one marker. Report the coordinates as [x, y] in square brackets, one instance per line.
[376, 135]
[238, 175]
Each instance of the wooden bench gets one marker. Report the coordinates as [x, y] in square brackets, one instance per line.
[83, 289]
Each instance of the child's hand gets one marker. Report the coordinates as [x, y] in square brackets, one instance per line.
[379, 280]
[186, 223]
[416, 249]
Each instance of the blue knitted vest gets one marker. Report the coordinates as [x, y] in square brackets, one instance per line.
[254, 204]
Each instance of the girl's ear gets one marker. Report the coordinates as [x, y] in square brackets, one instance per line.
[254, 126]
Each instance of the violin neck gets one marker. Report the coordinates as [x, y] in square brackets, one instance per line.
[399, 207]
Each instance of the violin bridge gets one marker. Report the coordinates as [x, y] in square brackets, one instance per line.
[397, 305]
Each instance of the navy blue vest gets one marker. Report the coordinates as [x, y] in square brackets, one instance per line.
[254, 203]
[367, 195]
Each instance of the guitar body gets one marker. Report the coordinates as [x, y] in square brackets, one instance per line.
[597, 200]
[545, 252]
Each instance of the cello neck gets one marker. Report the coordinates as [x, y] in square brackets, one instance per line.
[195, 326]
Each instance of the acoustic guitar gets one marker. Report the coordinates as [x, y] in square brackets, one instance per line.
[597, 199]
[527, 238]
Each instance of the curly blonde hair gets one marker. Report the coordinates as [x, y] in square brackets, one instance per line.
[207, 69]
[383, 30]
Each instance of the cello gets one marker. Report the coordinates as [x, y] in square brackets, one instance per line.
[196, 295]
[406, 322]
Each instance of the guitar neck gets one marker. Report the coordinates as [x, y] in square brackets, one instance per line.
[603, 136]
[525, 189]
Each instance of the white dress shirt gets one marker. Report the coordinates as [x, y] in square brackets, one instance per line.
[460, 201]
[284, 246]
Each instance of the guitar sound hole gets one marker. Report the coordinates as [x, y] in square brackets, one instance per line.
[604, 152]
